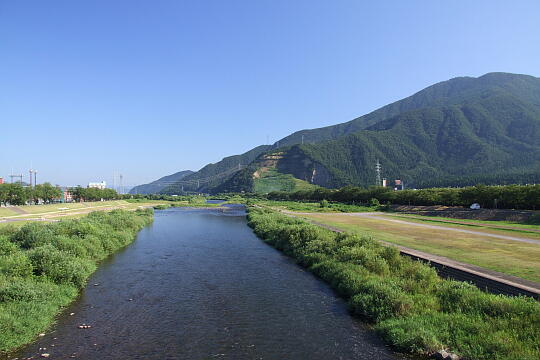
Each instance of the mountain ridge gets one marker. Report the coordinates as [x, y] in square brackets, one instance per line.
[523, 89]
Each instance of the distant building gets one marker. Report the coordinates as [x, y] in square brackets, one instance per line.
[98, 185]
[1, 180]
[398, 185]
[67, 196]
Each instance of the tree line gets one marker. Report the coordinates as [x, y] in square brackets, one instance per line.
[93, 194]
[17, 194]
[505, 197]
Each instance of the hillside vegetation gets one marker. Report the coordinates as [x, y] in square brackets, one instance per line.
[156, 186]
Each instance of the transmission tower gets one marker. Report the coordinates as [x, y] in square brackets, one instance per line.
[20, 176]
[121, 184]
[378, 169]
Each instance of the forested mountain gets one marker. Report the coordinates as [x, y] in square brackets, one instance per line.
[474, 130]
[158, 185]
[461, 131]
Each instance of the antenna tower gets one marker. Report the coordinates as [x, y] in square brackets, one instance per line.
[378, 169]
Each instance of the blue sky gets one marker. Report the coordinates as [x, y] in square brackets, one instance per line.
[148, 88]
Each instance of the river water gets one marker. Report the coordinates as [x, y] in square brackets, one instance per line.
[198, 284]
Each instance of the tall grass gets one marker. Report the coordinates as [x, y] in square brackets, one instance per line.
[411, 307]
[43, 267]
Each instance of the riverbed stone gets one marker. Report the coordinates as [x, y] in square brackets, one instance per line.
[440, 355]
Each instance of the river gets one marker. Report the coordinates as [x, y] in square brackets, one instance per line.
[198, 284]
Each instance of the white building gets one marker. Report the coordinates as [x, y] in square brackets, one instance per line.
[98, 185]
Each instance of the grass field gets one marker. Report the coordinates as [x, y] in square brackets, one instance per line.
[6, 212]
[74, 210]
[492, 227]
[314, 206]
[509, 257]
[509, 224]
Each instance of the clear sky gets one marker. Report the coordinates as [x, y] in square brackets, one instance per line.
[148, 88]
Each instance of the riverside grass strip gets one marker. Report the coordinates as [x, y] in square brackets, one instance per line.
[411, 307]
[44, 266]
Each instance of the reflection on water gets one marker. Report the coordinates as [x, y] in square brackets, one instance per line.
[197, 284]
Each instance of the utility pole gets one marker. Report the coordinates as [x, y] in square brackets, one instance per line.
[35, 177]
[31, 172]
[378, 169]
[121, 184]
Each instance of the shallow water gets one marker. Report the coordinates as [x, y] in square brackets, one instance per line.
[197, 284]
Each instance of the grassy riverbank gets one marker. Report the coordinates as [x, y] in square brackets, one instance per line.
[410, 305]
[510, 257]
[43, 267]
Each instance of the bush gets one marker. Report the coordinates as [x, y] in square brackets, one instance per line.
[16, 264]
[381, 299]
[32, 235]
[60, 266]
[6, 246]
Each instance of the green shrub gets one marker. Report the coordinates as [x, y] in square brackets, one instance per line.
[6, 246]
[60, 266]
[15, 264]
[32, 235]
[381, 299]
[24, 289]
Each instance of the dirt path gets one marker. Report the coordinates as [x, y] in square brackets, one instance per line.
[17, 210]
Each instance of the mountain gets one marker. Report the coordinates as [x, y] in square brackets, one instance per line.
[158, 185]
[461, 131]
[212, 175]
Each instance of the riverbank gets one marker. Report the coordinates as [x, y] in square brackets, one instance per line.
[412, 308]
[514, 253]
[44, 266]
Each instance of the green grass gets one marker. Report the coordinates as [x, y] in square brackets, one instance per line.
[6, 212]
[509, 257]
[43, 267]
[272, 180]
[482, 223]
[411, 307]
[485, 228]
[315, 206]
